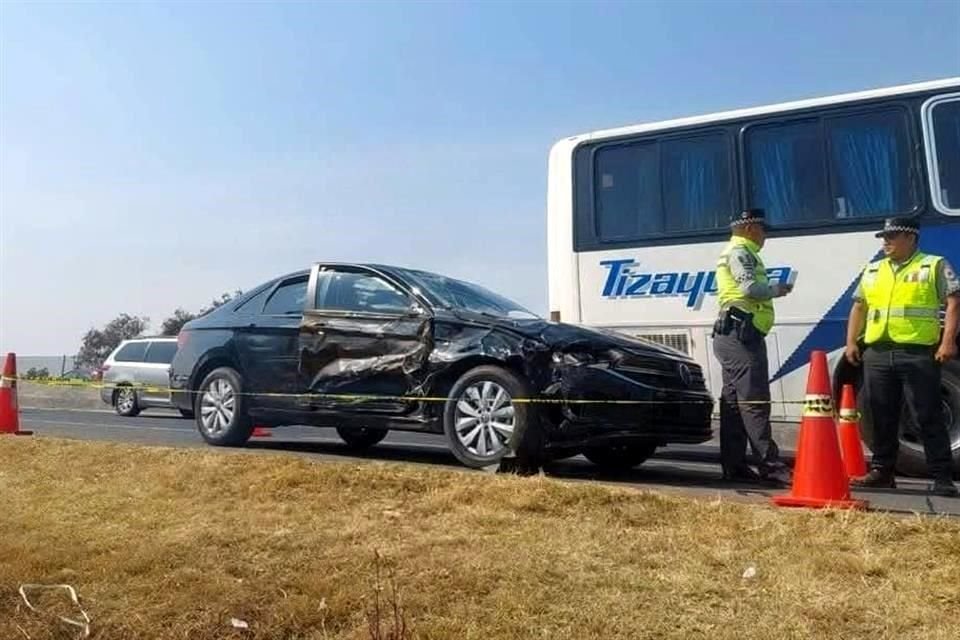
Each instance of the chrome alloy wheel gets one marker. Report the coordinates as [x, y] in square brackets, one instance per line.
[217, 407]
[125, 399]
[485, 419]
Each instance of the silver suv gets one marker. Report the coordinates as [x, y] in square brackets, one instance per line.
[139, 362]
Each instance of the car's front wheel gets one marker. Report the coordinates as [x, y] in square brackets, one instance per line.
[221, 409]
[481, 414]
[125, 402]
[622, 456]
[361, 438]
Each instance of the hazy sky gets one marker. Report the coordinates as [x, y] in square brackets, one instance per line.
[155, 155]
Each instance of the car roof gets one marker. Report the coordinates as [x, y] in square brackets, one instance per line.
[377, 266]
[389, 269]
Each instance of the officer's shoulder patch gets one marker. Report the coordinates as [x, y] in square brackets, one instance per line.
[747, 260]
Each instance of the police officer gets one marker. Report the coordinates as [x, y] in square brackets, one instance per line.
[898, 302]
[746, 316]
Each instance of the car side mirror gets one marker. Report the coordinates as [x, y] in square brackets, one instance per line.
[416, 310]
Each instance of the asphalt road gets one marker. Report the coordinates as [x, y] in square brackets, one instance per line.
[689, 470]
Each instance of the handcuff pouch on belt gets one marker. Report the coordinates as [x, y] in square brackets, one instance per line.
[739, 323]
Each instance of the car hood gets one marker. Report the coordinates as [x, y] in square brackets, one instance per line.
[572, 338]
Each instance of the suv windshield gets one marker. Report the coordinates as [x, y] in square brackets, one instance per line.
[465, 296]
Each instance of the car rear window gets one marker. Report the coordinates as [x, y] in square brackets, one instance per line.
[254, 302]
[131, 352]
[288, 299]
[161, 352]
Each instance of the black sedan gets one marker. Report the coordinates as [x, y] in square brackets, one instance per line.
[369, 348]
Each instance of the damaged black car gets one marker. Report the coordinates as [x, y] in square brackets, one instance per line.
[367, 349]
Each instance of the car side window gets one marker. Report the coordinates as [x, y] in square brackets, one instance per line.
[363, 293]
[161, 352]
[131, 352]
[288, 299]
[252, 305]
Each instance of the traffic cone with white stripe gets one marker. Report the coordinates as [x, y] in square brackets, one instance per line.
[819, 478]
[9, 408]
[848, 428]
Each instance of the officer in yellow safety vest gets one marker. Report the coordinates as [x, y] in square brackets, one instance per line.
[896, 310]
[746, 316]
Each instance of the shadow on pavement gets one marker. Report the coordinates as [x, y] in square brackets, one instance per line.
[388, 452]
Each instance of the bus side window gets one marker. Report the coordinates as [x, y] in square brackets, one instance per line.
[870, 165]
[697, 182]
[628, 191]
[786, 172]
[946, 132]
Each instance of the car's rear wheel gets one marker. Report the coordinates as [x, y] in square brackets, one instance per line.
[480, 415]
[125, 401]
[620, 457]
[362, 437]
[221, 411]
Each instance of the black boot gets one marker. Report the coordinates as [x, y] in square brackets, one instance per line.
[944, 487]
[876, 479]
[741, 473]
[777, 474]
[517, 466]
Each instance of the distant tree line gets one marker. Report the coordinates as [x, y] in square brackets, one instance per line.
[97, 344]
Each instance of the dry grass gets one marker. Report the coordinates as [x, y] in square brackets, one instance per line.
[164, 543]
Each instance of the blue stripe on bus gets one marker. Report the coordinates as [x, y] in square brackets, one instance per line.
[831, 332]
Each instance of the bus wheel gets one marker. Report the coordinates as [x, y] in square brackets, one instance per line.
[911, 460]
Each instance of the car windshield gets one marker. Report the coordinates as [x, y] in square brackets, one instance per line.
[466, 296]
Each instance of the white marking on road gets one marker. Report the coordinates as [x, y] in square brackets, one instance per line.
[34, 423]
[68, 410]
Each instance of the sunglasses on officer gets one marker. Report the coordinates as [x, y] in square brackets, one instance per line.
[899, 244]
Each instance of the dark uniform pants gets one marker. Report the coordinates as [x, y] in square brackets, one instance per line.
[895, 375]
[745, 403]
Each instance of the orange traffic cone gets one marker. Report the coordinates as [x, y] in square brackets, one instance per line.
[819, 479]
[260, 432]
[9, 408]
[848, 428]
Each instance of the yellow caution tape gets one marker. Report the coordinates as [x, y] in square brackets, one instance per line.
[818, 406]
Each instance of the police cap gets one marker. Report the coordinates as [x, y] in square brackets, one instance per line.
[749, 216]
[898, 225]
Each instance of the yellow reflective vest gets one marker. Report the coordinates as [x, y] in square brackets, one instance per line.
[729, 292]
[902, 306]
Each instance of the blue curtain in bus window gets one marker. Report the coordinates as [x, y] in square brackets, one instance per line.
[787, 176]
[946, 133]
[696, 183]
[627, 188]
[869, 157]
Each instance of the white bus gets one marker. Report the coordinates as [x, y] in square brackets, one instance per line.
[638, 215]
